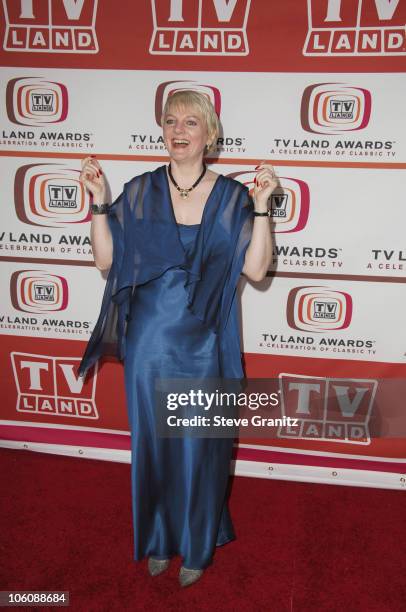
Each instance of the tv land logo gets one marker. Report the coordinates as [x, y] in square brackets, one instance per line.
[49, 386]
[200, 27]
[36, 102]
[289, 203]
[168, 88]
[335, 108]
[38, 292]
[55, 26]
[50, 195]
[318, 309]
[356, 28]
[327, 409]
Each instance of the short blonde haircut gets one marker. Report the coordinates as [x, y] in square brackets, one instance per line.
[193, 99]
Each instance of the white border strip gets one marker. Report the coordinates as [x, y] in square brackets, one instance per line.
[309, 453]
[83, 452]
[255, 469]
[321, 475]
[278, 449]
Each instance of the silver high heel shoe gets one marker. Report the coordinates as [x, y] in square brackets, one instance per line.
[189, 576]
[157, 566]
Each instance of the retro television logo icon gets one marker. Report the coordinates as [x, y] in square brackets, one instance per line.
[37, 291]
[350, 28]
[34, 101]
[318, 309]
[289, 203]
[168, 88]
[53, 26]
[49, 386]
[200, 27]
[327, 409]
[335, 108]
[50, 195]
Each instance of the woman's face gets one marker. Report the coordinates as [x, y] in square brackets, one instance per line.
[185, 133]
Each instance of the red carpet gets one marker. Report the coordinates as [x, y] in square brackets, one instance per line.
[66, 525]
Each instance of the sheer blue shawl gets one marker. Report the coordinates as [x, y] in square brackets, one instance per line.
[146, 243]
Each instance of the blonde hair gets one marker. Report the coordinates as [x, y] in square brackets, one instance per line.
[193, 99]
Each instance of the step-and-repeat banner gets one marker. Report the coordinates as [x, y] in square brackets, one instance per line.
[318, 89]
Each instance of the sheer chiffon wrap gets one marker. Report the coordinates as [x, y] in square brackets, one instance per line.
[146, 244]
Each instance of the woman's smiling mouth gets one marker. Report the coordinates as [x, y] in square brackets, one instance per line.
[180, 142]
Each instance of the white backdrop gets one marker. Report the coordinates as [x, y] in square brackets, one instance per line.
[330, 119]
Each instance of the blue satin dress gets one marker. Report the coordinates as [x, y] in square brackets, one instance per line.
[179, 485]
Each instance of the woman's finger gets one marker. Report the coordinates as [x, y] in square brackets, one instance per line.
[263, 165]
[85, 160]
[265, 178]
[91, 162]
[95, 163]
[265, 175]
[89, 177]
[89, 167]
[266, 168]
[91, 170]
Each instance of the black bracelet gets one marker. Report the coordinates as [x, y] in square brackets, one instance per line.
[99, 209]
[262, 214]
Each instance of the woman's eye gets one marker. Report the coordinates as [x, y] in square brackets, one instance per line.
[169, 121]
[191, 122]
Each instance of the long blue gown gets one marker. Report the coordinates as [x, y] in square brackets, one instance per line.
[178, 484]
[169, 311]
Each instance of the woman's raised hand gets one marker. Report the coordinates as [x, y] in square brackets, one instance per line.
[93, 179]
[265, 183]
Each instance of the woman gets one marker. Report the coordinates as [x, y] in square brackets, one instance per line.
[176, 241]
